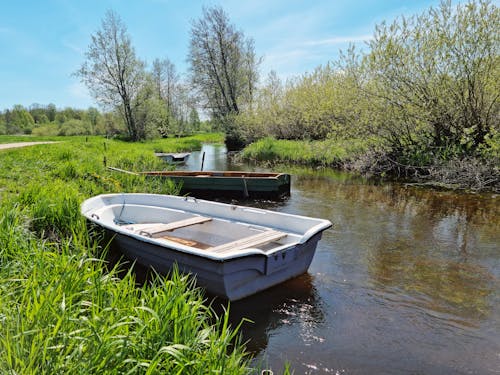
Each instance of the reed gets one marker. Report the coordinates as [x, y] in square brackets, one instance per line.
[62, 310]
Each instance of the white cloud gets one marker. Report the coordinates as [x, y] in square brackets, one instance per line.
[73, 47]
[339, 40]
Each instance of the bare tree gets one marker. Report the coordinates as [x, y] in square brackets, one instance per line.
[223, 66]
[167, 86]
[113, 73]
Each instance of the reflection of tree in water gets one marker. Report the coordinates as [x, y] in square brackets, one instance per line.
[294, 302]
[442, 246]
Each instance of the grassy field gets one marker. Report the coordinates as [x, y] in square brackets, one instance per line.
[61, 309]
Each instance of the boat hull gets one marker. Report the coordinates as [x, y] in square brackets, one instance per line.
[232, 251]
[176, 159]
[208, 186]
[232, 279]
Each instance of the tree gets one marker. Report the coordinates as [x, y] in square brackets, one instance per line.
[166, 82]
[20, 120]
[93, 117]
[51, 112]
[223, 68]
[38, 112]
[194, 119]
[434, 78]
[113, 73]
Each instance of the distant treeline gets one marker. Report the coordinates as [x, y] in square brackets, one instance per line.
[48, 120]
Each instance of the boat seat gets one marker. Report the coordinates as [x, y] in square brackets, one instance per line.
[261, 238]
[157, 230]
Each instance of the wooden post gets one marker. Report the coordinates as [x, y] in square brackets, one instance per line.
[202, 160]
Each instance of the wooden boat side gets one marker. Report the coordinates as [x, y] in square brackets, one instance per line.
[234, 183]
[236, 174]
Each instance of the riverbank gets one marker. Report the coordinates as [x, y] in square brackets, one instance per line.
[368, 158]
[62, 310]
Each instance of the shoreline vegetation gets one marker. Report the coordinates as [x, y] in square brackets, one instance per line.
[62, 309]
[368, 159]
[420, 103]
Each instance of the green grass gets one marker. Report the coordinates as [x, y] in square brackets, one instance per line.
[313, 153]
[61, 309]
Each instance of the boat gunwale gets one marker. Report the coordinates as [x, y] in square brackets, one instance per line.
[174, 246]
[216, 174]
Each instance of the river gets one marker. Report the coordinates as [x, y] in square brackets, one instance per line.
[406, 282]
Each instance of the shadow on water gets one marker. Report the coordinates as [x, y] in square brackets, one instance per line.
[290, 302]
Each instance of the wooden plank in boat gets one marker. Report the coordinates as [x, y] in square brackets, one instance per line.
[186, 242]
[251, 241]
[158, 229]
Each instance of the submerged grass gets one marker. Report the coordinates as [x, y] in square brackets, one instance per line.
[61, 309]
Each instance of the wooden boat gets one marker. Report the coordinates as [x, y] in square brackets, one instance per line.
[233, 251]
[173, 158]
[205, 184]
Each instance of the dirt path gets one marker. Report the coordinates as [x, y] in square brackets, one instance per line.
[4, 146]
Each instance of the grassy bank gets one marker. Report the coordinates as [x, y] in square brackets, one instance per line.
[61, 309]
[436, 167]
[325, 153]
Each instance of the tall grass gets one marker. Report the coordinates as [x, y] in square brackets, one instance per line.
[61, 309]
[313, 153]
[62, 314]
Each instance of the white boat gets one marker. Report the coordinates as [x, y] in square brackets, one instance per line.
[173, 158]
[233, 251]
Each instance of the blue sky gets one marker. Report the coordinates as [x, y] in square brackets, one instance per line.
[43, 42]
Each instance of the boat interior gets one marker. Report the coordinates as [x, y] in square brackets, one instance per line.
[212, 234]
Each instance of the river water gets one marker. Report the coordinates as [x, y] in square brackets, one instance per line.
[406, 282]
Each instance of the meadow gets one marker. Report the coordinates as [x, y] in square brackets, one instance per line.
[63, 309]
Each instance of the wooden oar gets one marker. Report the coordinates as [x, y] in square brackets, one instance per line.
[123, 171]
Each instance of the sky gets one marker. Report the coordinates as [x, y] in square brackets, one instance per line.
[43, 42]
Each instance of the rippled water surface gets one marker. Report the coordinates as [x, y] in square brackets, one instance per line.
[406, 282]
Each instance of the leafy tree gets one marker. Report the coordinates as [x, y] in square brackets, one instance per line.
[194, 119]
[38, 112]
[93, 117]
[223, 68]
[74, 127]
[166, 81]
[113, 73]
[167, 85]
[149, 110]
[20, 120]
[437, 75]
[51, 112]
[60, 118]
[3, 125]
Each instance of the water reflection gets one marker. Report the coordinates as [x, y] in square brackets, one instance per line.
[212, 156]
[293, 302]
[407, 281]
[439, 244]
